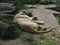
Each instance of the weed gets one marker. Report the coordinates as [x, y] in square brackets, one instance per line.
[50, 42]
[53, 33]
[29, 39]
[43, 37]
[58, 19]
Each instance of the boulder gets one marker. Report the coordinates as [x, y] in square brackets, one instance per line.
[27, 12]
[7, 7]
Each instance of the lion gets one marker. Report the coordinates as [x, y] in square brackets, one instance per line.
[26, 23]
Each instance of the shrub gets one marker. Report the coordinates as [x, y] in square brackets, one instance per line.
[11, 33]
[43, 37]
[58, 3]
[7, 19]
[24, 1]
[29, 39]
[50, 42]
[31, 1]
[46, 2]
[58, 19]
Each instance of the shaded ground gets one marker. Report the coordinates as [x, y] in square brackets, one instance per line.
[50, 38]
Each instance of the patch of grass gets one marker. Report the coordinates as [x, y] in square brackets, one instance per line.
[58, 19]
[36, 43]
[13, 31]
[50, 42]
[7, 19]
[32, 1]
[53, 33]
[43, 37]
[57, 15]
[45, 2]
[18, 3]
[47, 42]
[29, 39]
[21, 6]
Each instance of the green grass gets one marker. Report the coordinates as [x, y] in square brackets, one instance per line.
[45, 2]
[50, 42]
[20, 7]
[7, 19]
[55, 34]
[47, 42]
[43, 37]
[58, 19]
[11, 32]
[29, 1]
[29, 39]
[36, 43]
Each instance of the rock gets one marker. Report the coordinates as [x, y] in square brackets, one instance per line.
[27, 12]
[6, 7]
[3, 25]
[31, 6]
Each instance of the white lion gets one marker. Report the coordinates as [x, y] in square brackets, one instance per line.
[27, 24]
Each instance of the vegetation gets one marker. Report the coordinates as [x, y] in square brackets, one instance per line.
[36, 43]
[7, 19]
[13, 31]
[58, 3]
[31, 1]
[29, 39]
[20, 4]
[24, 1]
[58, 19]
[47, 2]
[43, 37]
[50, 42]
[44, 41]
[55, 34]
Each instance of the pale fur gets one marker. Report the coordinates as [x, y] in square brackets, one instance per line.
[26, 23]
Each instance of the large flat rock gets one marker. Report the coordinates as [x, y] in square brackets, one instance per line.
[46, 15]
